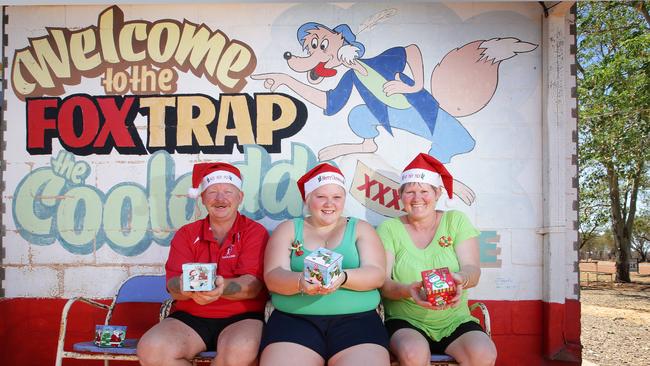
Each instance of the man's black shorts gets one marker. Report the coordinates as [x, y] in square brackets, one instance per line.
[439, 347]
[209, 329]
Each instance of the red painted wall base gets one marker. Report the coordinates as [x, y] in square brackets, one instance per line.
[29, 329]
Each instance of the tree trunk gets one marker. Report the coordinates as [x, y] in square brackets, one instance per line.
[623, 256]
[623, 219]
[621, 240]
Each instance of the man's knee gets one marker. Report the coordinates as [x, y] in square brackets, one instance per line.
[150, 351]
[165, 342]
[240, 346]
[238, 352]
[242, 343]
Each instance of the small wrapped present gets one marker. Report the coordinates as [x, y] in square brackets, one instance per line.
[110, 335]
[199, 276]
[323, 266]
[438, 286]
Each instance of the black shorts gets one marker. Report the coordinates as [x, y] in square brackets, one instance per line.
[325, 334]
[436, 347]
[208, 328]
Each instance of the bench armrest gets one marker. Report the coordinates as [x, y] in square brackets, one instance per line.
[64, 320]
[165, 308]
[486, 316]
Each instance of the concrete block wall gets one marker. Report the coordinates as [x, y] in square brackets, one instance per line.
[503, 169]
[520, 176]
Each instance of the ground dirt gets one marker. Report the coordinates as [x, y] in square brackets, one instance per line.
[616, 322]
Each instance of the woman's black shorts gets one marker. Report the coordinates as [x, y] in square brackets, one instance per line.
[436, 347]
[325, 334]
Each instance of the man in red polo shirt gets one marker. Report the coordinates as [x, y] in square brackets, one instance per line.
[230, 317]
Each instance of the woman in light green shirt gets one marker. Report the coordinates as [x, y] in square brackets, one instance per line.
[425, 239]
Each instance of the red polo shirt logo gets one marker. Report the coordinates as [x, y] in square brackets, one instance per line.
[230, 252]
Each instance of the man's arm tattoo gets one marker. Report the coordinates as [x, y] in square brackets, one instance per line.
[232, 288]
[174, 285]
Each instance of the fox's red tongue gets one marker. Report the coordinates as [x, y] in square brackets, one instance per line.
[323, 71]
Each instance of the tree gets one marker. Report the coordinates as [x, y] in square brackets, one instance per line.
[593, 209]
[614, 114]
[599, 247]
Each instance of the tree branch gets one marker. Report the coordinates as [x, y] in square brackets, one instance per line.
[615, 199]
[638, 172]
[580, 68]
[641, 7]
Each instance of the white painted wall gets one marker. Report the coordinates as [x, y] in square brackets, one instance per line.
[520, 169]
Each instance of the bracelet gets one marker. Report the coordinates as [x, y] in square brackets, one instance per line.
[465, 280]
[300, 287]
[345, 279]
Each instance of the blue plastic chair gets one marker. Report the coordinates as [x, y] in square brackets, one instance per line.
[138, 288]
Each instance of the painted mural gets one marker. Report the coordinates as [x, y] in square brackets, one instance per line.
[108, 108]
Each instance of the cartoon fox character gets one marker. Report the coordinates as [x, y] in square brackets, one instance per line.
[461, 84]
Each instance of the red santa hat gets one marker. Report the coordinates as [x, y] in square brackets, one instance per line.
[426, 169]
[207, 174]
[320, 175]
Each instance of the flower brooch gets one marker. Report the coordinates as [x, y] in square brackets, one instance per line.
[297, 248]
[445, 241]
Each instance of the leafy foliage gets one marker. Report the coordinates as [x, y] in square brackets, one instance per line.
[614, 118]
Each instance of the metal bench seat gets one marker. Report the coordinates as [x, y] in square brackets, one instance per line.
[129, 348]
[153, 289]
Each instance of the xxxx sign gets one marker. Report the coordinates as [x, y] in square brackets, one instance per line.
[376, 191]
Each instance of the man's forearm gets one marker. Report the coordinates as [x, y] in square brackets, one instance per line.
[175, 288]
[242, 287]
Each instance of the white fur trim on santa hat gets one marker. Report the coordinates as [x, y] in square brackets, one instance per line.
[323, 179]
[193, 192]
[218, 176]
[421, 176]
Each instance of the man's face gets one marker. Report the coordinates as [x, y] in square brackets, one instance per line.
[222, 200]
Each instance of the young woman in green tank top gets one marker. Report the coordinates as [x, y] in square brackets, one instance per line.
[312, 324]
